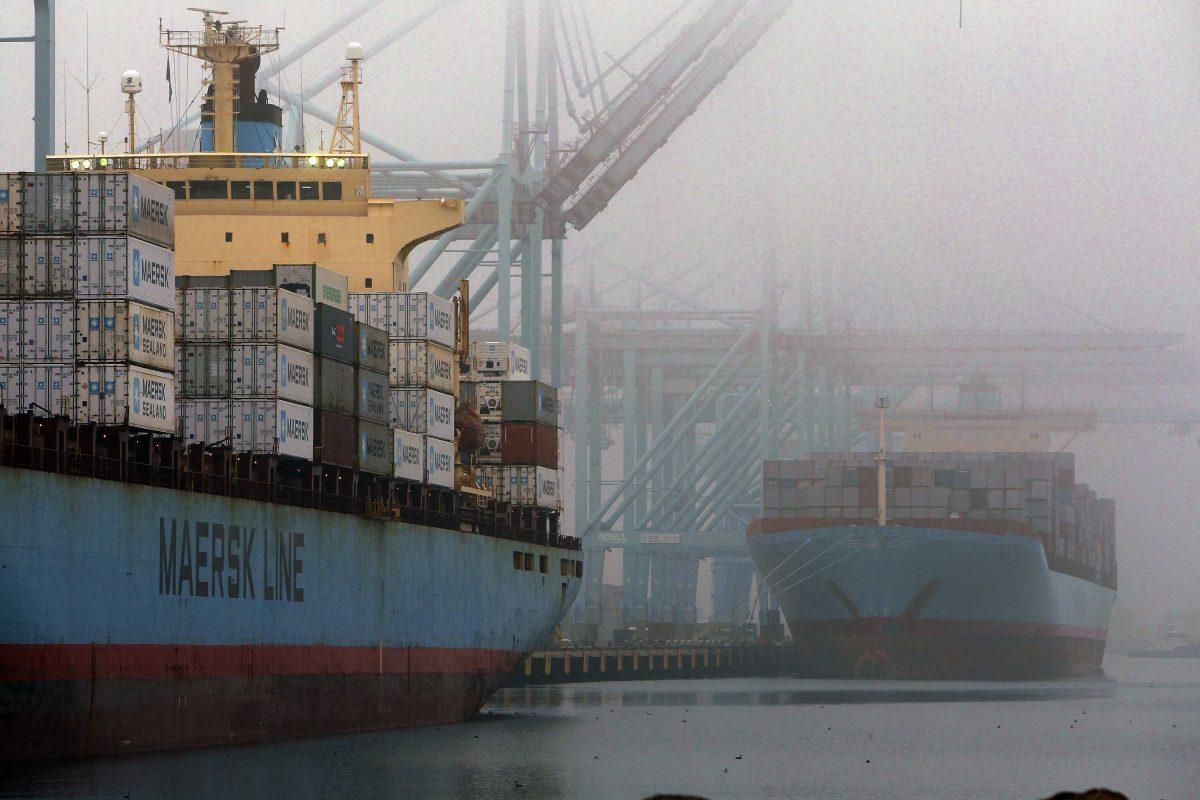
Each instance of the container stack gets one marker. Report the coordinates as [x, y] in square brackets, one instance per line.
[1037, 490]
[245, 365]
[492, 363]
[523, 469]
[422, 379]
[86, 298]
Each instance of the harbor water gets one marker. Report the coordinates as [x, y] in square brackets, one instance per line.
[1137, 731]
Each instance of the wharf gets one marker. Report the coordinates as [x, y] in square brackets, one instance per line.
[653, 663]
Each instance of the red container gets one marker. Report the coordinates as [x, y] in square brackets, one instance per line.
[529, 443]
[335, 441]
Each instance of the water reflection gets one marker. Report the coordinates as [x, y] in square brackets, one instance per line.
[637, 695]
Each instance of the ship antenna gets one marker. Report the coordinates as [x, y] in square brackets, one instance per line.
[881, 463]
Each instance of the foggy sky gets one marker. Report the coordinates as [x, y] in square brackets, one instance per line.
[1035, 167]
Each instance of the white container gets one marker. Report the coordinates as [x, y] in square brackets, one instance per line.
[204, 315]
[37, 202]
[272, 371]
[269, 315]
[41, 388]
[383, 310]
[124, 268]
[439, 462]
[408, 451]
[406, 315]
[421, 364]
[500, 360]
[121, 330]
[37, 330]
[490, 452]
[531, 486]
[42, 266]
[316, 283]
[203, 370]
[206, 421]
[276, 427]
[488, 395]
[429, 316]
[426, 411]
[116, 394]
[124, 203]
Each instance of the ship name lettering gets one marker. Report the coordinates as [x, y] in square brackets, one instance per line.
[214, 559]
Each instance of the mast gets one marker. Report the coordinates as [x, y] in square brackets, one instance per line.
[222, 46]
[347, 137]
[881, 464]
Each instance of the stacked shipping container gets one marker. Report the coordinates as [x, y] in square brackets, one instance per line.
[519, 457]
[86, 298]
[1037, 490]
[422, 379]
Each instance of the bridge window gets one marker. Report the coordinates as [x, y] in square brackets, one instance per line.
[543, 563]
[516, 559]
[179, 188]
[331, 190]
[239, 190]
[309, 190]
[264, 190]
[528, 562]
[578, 569]
[283, 237]
[370, 238]
[320, 238]
[210, 190]
[367, 283]
[229, 236]
[285, 190]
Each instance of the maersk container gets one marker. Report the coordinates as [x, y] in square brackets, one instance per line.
[206, 421]
[40, 388]
[317, 283]
[374, 448]
[270, 315]
[406, 315]
[428, 316]
[371, 395]
[276, 427]
[536, 444]
[335, 389]
[408, 455]
[117, 202]
[37, 202]
[123, 267]
[204, 315]
[273, 371]
[506, 361]
[124, 394]
[41, 266]
[424, 411]
[531, 486]
[529, 401]
[37, 330]
[335, 438]
[204, 370]
[334, 334]
[439, 462]
[488, 396]
[421, 364]
[121, 330]
[372, 347]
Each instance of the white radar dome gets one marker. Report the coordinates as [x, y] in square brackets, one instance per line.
[354, 52]
[131, 81]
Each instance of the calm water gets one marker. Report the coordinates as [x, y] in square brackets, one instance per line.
[1139, 731]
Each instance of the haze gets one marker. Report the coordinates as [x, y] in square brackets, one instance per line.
[1034, 169]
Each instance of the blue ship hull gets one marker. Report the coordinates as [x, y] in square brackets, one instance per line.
[916, 601]
[137, 618]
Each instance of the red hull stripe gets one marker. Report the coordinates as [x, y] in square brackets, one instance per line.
[40, 662]
[866, 626]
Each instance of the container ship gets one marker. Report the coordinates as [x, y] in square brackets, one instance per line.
[242, 469]
[954, 564]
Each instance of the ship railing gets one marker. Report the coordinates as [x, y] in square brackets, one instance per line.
[109, 162]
